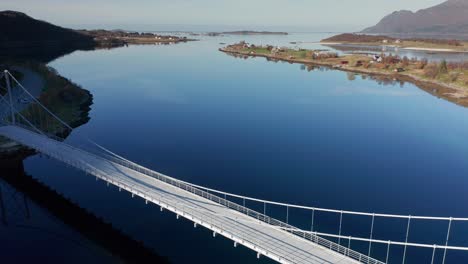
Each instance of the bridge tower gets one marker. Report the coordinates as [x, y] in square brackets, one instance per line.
[8, 84]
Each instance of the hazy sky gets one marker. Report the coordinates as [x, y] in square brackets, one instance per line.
[326, 15]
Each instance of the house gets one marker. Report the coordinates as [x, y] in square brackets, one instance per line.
[377, 58]
[276, 50]
[397, 41]
[385, 41]
[344, 62]
[399, 70]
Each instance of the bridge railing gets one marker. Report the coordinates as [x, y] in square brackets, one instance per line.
[142, 191]
[207, 219]
[255, 215]
[261, 217]
[310, 234]
[347, 251]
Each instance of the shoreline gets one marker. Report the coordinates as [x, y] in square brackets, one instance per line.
[450, 92]
[439, 50]
[434, 50]
[421, 44]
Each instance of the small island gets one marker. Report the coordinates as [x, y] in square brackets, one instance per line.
[446, 80]
[115, 38]
[430, 45]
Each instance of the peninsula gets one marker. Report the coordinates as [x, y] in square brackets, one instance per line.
[436, 45]
[446, 80]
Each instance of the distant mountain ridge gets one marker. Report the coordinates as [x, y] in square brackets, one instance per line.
[450, 17]
[20, 30]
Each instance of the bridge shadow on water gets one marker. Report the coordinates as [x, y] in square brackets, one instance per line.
[117, 246]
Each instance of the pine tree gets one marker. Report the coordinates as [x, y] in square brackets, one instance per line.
[443, 69]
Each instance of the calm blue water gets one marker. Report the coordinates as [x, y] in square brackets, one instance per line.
[29, 233]
[268, 130]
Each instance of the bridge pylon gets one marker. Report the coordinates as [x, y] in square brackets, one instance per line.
[10, 96]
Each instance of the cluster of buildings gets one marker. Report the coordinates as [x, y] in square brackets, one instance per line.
[386, 41]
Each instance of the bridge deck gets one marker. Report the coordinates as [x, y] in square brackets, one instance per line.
[259, 236]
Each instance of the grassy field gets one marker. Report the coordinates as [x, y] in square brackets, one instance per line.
[288, 52]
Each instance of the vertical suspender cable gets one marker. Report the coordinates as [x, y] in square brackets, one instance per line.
[447, 239]
[371, 235]
[406, 239]
[388, 251]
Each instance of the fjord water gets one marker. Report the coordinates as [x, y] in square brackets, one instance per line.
[263, 129]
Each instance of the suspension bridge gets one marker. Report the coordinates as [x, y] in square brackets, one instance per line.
[254, 226]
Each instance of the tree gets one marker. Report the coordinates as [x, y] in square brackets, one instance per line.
[405, 61]
[423, 63]
[431, 71]
[443, 69]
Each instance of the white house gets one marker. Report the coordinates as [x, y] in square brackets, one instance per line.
[377, 58]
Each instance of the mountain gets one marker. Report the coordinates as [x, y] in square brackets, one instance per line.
[450, 17]
[21, 31]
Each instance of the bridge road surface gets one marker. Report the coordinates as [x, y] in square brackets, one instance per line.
[259, 236]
